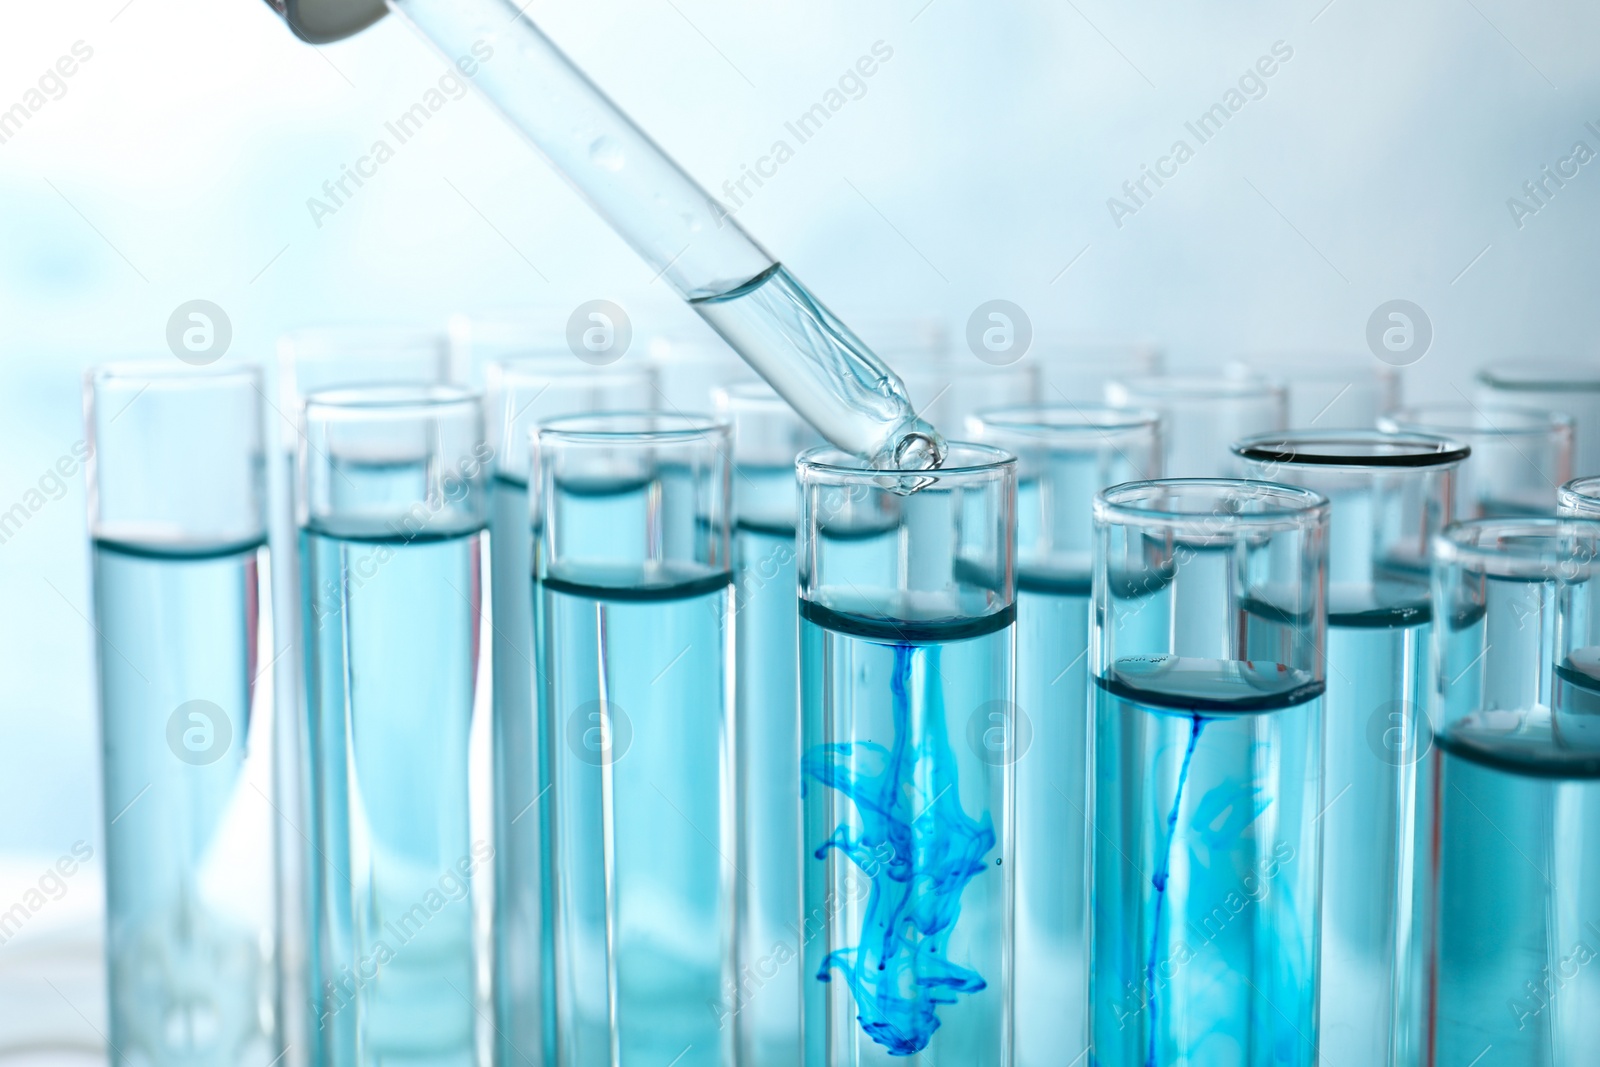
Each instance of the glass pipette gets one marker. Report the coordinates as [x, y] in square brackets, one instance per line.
[765, 313]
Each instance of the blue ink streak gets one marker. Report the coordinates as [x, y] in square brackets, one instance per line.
[1159, 880]
[919, 863]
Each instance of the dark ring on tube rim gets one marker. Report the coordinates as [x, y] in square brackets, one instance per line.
[1382, 449]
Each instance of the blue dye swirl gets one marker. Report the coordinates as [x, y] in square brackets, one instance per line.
[920, 849]
[1158, 879]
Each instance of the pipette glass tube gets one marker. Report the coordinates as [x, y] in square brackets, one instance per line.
[637, 586]
[522, 392]
[909, 736]
[1580, 498]
[1551, 385]
[1202, 415]
[1207, 649]
[310, 360]
[1519, 457]
[765, 1005]
[1389, 494]
[1065, 455]
[177, 512]
[685, 236]
[1327, 390]
[393, 511]
[1514, 897]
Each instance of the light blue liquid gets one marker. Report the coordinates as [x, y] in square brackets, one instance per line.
[392, 645]
[767, 966]
[523, 957]
[1052, 853]
[907, 896]
[638, 704]
[1371, 965]
[189, 826]
[1516, 885]
[1205, 864]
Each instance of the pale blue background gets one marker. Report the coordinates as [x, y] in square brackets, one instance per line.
[977, 165]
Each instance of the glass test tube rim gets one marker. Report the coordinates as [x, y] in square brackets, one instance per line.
[1458, 420]
[1580, 498]
[1364, 449]
[630, 427]
[1296, 507]
[1543, 547]
[1183, 387]
[1062, 425]
[1559, 374]
[398, 399]
[826, 463]
[388, 403]
[171, 374]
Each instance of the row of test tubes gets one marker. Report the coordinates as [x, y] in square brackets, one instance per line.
[462, 729]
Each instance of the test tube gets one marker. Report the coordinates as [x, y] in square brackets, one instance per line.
[1580, 498]
[1202, 415]
[1327, 390]
[764, 1006]
[1389, 494]
[1076, 371]
[1207, 646]
[521, 392]
[950, 390]
[637, 586]
[1512, 894]
[690, 371]
[309, 360]
[1520, 457]
[684, 234]
[1065, 455]
[1572, 387]
[393, 512]
[909, 733]
[177, 513]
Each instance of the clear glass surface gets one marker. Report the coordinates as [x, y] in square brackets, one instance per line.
[1580, 498]
[636, 583]
[765, 1005]
[1520, 457]
[1202, 415]
[685, 236]
[1327, 390]
[1513, 893]
[910, 731]
[1571, 387]
[523, 391]
[1207, 646]
[1065, 455]
[309, 360]
[177, 513]
[393, 510]
[1388, 494]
